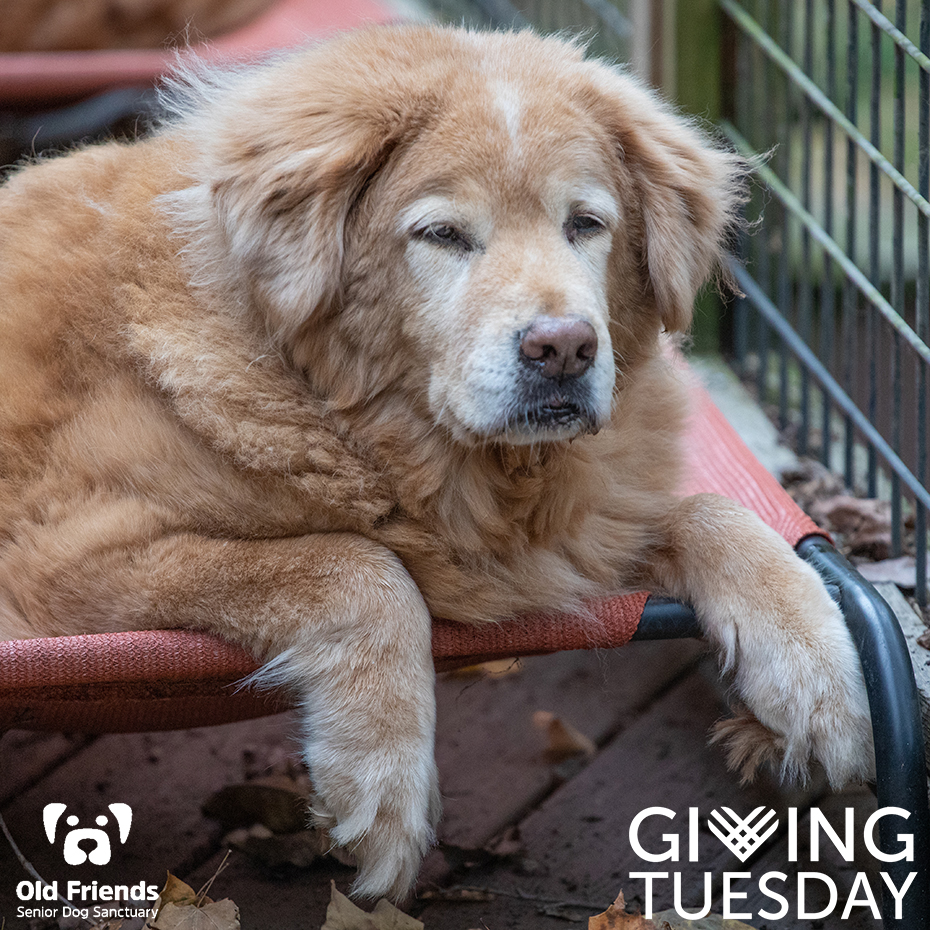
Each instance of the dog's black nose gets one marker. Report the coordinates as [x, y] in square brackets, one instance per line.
[559, 347]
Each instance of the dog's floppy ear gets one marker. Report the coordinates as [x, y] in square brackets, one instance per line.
[687, 189]
[285, 151]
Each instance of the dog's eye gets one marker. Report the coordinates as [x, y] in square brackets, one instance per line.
[447, 236]
[582, 224]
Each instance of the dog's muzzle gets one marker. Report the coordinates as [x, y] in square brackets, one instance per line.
[554, 392]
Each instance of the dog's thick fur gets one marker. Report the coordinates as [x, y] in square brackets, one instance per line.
[266, 374]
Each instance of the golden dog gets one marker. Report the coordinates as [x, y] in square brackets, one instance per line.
[370, 333]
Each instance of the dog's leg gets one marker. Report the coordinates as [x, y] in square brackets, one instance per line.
[779, 633]
[342, 624]
[338, 621]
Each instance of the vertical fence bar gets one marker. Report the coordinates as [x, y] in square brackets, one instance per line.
[743, 101]
[827, 307]
[784, 298]
[850, 295]
[806, 297]
[922, 308]
[783, 167]
[897, 278]
[763, 250]
[874, 242]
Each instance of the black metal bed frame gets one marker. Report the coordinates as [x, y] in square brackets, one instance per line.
[901, 779]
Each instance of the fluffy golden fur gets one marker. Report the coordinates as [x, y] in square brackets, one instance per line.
[272, 373]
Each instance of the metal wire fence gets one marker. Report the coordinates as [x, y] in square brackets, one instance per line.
[835, 324]
[604, 21]
[833, 99]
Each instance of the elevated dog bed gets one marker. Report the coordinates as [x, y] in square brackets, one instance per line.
[130, 682]
[127, 682]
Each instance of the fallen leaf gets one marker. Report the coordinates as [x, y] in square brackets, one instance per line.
[342, 914]
[179, 893]
[873, 546]
[865, 523]
[279, 852]
[616, 918]
[217, 915]
[563, 740]
[179, 907]
[810, 482]
[495, 668]
[280, 809]
[848, 514]
[924, 640]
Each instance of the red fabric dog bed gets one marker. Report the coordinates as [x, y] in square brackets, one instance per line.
[35, 77]
[128, 682]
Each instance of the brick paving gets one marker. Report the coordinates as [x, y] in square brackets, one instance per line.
[539, 843]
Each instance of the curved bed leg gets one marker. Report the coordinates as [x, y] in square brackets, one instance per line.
[901, 773]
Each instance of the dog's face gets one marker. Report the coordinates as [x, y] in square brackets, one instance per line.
[510, 224]
[496, 250]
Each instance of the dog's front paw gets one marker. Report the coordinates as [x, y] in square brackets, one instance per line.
[799, 675]
[383, 809]
[365, 681]
[779, 634]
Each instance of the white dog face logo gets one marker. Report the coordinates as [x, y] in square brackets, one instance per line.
[101, 852]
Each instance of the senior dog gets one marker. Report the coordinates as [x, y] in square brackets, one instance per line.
[373, 332]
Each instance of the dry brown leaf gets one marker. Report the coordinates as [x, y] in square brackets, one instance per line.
[563, 740]
[281, 809]
[495, 668]
[616, 918]
[179, 907]
[217, 915]
[864, 523]
[179, 893]
[342, 914]
[847, 514]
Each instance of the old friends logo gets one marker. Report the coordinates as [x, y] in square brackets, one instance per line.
[743, 836]
[101, 851]
[85, 845]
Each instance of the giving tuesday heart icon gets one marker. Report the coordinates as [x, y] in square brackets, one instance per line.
[742, 836]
